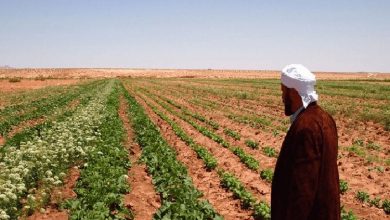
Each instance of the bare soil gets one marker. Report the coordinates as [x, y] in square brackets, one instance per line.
[28, 84]
[184, 73]
[142, 199]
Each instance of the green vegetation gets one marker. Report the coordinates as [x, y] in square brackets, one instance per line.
[15, 114]
[267, 175]
[343, 186]
[248, 160]
[261, 209]
[203, 153]
[232, 134]
[180, 199]
[362, 196]
[103, 180]
[386, 206]
[252, 144]
[347, 215]
[269, 151]
[375, 202]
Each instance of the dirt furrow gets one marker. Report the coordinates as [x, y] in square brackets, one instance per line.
[142, 199]
[227, 160]
[207, 182]
[57, 196]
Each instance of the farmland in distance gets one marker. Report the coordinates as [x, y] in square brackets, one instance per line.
[89, 145]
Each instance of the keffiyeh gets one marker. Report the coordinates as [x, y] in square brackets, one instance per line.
[301, 79]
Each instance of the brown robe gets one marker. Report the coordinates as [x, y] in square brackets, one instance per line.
[306, 178]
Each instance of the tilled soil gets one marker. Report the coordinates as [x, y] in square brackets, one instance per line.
[207, 182]
[227, 160]
[142, 200]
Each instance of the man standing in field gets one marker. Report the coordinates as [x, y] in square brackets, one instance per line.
[306, 179]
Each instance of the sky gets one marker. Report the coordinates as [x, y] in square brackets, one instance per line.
[332, 35]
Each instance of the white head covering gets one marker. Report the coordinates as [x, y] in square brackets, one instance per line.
[301, 79]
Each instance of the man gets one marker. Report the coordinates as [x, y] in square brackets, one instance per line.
[306, 179]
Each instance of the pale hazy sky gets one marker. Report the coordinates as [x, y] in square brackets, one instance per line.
[331, 35]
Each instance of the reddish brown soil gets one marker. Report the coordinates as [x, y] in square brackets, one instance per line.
[58, 195]
[142, 199]
[207, 182]
[25, 84]
[2, 140]
[184, 73]
[25, 124]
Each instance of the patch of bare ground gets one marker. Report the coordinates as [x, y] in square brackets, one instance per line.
[207, 182]
[226, 159]
[142, 199]
[2, 140]
[25, 124]
[58, 195]
[28, 84]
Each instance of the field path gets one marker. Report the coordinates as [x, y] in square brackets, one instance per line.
[142, 199]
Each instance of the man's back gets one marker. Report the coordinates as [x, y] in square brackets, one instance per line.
[306, 182]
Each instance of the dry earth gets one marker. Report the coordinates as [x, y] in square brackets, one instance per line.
[185, 73]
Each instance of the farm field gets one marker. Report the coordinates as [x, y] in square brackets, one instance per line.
[181, 147]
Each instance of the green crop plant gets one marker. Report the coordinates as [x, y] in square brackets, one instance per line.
[232, 134]
[249, 161]
[343, 186]
[252, 144]
[362, 196]
[375, 202]
[261, 209]
[180, 199]
[386, 206]
[269, 151]
[267, 175]
[347, 215]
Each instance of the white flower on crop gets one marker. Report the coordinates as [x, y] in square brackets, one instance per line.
[100, 153]
[58, 182]
[62, 175]
[49, 173]
[3, 215]
[31, 197]
[3, 197]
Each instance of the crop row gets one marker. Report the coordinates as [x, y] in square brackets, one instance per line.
[46, 157]
[103, 179]
[248, 160]
[228, 180]
[269, 151]
[58, 114]
[13, 115]
[180, 199]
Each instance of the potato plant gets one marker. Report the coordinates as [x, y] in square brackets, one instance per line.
[180, 199]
